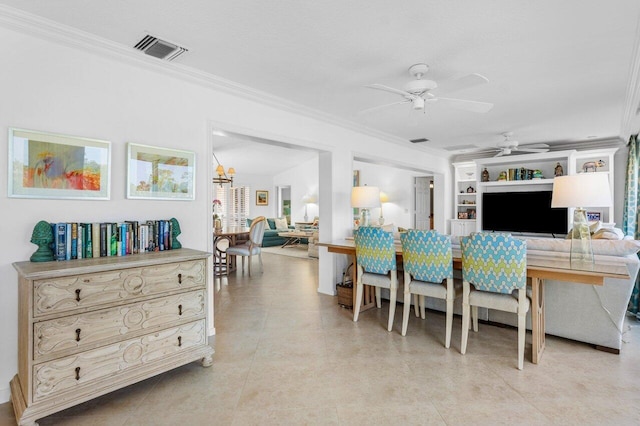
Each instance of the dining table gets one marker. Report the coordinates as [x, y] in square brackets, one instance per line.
[540, 266]
[234, 234]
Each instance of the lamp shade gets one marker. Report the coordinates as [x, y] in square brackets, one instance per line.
[581, 190]
[309, 199]
[384, 198]
[365, 197]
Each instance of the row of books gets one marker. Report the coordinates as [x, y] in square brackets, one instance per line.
[73, 240]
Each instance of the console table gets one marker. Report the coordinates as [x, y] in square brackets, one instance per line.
[539, 268]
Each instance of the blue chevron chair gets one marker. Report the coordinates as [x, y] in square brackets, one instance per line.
[428, 271]
[494, 276]
[376, 260]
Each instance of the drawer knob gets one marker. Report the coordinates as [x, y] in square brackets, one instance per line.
[179, 340]
[77, 295]
[180, 278]
[77, 373]
[77, 334]
[179, 309]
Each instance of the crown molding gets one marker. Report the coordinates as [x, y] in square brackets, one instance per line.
[52, 31]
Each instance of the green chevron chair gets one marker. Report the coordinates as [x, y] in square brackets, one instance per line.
[376, 260]
[428, 271]
[494, 276]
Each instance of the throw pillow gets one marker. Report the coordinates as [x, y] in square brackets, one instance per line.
[608, 234]
[281, 224]
[249, 222]
[272, 223]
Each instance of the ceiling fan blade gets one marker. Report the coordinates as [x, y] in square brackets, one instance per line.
[368, 110]
[389, 89]
[500, 154]
[473, 106]
[535, 145]
[465, 82]
[533, 149]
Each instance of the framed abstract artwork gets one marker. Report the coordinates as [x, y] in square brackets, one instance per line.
[160, 173]
[49, 165]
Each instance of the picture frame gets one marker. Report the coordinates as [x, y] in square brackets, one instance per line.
[594, 216]
[51, 165]
[262, 197]
[160, 173]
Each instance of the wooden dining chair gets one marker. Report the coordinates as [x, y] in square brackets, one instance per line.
[494, 276]
[428, 271]
[376, 261]
[251, 247]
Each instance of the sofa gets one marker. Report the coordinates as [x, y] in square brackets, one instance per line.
[586, 313]
[271, 237]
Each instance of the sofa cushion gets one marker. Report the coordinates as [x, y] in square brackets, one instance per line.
[608, 234]
[281, 224]
[600, 247]
[272, 223]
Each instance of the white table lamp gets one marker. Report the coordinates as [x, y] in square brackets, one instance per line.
[580, 191]
[307, 199]
[365, 198]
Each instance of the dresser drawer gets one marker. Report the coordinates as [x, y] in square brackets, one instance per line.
[63, 336]
[83, 369]
[78, 292]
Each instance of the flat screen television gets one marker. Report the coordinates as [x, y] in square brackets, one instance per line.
[522, 212]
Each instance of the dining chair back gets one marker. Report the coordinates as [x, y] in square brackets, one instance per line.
[376, 266]
[494, 276]
[251, 247]
[428, 271]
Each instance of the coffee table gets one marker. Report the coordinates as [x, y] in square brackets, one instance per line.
[293, 237]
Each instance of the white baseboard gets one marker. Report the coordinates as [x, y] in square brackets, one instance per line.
[5, 395]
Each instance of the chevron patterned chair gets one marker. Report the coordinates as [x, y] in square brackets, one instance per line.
[494, 276]
[428, 271]
[376, 260]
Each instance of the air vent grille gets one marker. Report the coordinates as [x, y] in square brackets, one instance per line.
[420, 140]
[160, 49]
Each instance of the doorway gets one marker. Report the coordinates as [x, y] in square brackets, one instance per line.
[284, 202]
[423, 212]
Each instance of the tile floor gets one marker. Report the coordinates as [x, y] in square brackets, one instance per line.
[286, 355]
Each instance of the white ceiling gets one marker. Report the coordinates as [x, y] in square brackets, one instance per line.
[558, 71]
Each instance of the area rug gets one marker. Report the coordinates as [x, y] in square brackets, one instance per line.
[299, 251]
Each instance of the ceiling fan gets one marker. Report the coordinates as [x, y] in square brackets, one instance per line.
[507, 146]
[418, 92]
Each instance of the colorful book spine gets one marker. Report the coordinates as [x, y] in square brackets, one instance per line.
[88, 240]
[113, 242]
[95, 237]
[79, 245]
[61, 241]
[103, 239]
[74, 240]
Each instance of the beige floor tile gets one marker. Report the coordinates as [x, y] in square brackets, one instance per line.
[287, 355]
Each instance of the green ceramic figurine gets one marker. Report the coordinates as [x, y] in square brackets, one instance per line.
[175, 231]
[42, 237]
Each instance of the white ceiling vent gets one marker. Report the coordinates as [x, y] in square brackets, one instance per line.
[160, 49]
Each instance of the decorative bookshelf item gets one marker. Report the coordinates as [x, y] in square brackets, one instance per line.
[42, 237]
[47, 165]
[175, 231]
[77, 240]
[160, 173]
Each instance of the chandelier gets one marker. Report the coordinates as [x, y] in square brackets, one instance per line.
[223, 177]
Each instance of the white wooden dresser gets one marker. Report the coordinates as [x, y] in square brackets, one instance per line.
[91, 326]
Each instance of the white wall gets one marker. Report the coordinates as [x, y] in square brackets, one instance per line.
[303, 180]
[397, 184]
[259, 183]
[50, 86]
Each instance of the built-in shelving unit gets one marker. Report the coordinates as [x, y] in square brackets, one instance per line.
[469, 175]
[465, 199]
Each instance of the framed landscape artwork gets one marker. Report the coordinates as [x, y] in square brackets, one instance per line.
[262, 198]
[160, 173]
[48, 165]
